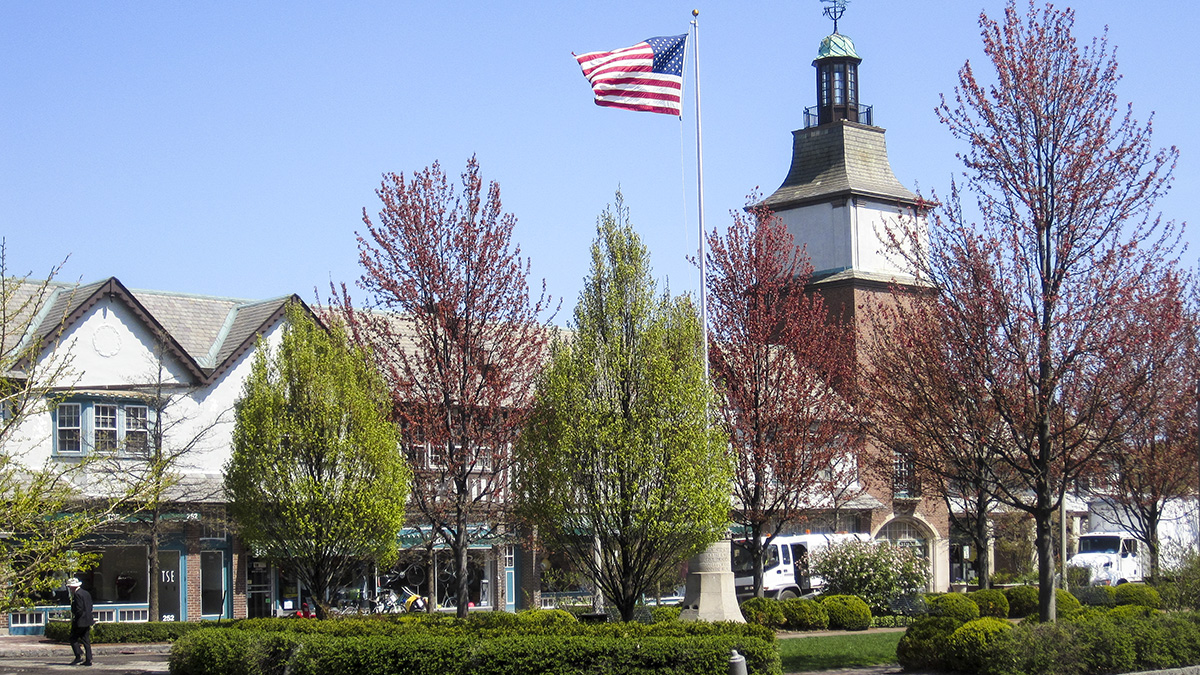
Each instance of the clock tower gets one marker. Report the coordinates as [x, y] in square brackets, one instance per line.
[839, 200]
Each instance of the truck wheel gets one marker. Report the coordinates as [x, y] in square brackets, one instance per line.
[786, 595]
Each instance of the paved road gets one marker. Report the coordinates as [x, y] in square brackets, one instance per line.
[131, 664]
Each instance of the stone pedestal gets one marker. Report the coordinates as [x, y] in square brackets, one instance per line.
[709, 594]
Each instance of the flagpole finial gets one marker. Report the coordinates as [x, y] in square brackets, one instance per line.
[695, 12]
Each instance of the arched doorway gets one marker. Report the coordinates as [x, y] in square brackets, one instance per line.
[913, 534]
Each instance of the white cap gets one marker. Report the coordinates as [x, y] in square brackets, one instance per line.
[74, 583]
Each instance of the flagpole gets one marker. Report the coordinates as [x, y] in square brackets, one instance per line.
[700, 192]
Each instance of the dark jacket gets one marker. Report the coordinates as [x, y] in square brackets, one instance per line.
[81, 609]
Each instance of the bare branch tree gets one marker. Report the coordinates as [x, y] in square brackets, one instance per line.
[460, 341]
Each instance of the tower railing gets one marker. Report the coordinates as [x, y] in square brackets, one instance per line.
[812, 116]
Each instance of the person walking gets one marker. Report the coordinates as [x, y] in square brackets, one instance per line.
[81, 622]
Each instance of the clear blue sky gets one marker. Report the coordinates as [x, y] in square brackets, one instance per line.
[229, 148]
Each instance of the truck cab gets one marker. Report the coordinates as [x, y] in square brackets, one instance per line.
[1110, 557]
[785, 571]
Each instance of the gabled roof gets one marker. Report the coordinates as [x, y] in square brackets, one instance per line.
[206, 334]
[841, 159]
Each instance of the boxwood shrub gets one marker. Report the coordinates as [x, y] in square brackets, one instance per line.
[1137, 594]
[983, 646]
[1065, 604]
[923, 646]
[763, 611]
[956, 605]
[1132, 638]
[990, 602]
[1095, 596]
[209, 652]
[1131, 612]
[804, 614]
[847, 612]
[1022, 601]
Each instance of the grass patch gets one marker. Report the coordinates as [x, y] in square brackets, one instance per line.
[838, 651]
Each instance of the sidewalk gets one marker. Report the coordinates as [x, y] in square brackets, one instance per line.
[36, 645]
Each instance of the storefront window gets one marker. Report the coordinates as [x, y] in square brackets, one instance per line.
[212, 582]
[289, 592]
[121, 576]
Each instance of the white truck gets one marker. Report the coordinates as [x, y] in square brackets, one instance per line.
[1111, 558]
[785, 572]
[1114, 556]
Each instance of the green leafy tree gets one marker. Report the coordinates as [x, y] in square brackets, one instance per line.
[316, 481]
[619, 468]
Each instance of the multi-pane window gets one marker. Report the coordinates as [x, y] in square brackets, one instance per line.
[136, 429]
[213, 528]
[105, 423]
[101, 427]
[68, 419]
[904, 476]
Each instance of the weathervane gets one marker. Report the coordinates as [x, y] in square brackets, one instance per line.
[835, 10]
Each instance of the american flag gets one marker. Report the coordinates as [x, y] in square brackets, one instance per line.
[647, 76]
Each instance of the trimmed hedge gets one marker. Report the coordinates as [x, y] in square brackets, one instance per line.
[1137, 594]
[991, 602]
[150, 631]
[221, 651]
[847, 612]
[804, 614]
[665, 613]
[892, 621]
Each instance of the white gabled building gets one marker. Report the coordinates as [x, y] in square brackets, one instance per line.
[116, 339]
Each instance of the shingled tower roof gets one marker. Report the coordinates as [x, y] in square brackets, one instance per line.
[840, 159]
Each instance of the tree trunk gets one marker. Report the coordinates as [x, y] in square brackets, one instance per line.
[983, 558]
[320, 593]
[155, 571]
[461, 589]
[759, 556]
[1044, 542]
[1154, 555]
[597, 561]
[431, 556]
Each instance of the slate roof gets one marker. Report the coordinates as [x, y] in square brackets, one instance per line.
[206, 333]
[838, 160]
